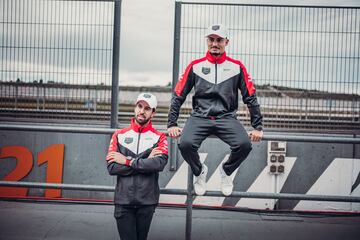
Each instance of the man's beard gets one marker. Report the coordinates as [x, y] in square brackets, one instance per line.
[215, 54]
[142, 122]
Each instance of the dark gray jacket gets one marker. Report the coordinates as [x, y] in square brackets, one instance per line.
[216, 82]
[138, 184]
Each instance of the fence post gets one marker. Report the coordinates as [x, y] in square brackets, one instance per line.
[189, 204]
[176, 49]
[115, 66]
[176, 55]
[173, 154]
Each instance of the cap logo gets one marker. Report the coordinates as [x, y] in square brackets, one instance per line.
[146, 95]
[215, 27]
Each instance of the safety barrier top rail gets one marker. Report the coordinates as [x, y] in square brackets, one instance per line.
[100, 188]
[272, 137]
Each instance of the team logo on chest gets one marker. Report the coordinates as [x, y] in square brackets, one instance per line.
[128, 140]
[205, 70]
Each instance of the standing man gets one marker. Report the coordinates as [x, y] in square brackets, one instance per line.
[136, 155]
[216, 79]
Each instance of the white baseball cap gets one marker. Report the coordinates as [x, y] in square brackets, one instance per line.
[149, 98]
[217, 29]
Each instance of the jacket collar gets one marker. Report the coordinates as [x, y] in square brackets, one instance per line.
[220, 59]
[138, 128]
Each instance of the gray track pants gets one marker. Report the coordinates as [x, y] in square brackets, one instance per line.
[228, 129]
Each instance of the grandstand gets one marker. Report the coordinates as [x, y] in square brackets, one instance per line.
[283, 108]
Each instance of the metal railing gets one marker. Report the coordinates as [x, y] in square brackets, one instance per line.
[173, 142]
[99, 188]
[266, 137]
[189, 192]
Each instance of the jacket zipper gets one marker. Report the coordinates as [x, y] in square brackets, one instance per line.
[136, 176]
[216, 72]
[138, 143]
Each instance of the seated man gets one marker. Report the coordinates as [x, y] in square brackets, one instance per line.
[217, 80]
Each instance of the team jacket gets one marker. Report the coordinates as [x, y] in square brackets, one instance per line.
[216, 82]
[138, 184]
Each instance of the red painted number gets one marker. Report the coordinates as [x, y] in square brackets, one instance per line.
[23, 166]
[52, 155]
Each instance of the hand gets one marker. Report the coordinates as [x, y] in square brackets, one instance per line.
[156, 151]
[116, 157]
[256, 135]
[174, 132]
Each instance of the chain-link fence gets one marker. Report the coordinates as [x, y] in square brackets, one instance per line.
[56, 55]
[303, 60]
[56, 60]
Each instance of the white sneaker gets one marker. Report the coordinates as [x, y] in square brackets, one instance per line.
[226, 183]
[200, 181]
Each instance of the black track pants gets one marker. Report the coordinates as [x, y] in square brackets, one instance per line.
[133, 222]
[228, 129]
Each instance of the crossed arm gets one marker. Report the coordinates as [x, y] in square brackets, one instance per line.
[116, 157]
[118, 164]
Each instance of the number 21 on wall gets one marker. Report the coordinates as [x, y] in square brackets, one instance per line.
[53, 155]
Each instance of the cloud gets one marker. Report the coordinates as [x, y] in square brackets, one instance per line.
[146, 35]
[144, 78]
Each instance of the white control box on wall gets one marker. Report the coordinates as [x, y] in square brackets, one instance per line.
[276, 157]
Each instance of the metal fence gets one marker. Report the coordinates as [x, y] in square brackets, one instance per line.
[59, 60]
[56, 54]
[303, 60]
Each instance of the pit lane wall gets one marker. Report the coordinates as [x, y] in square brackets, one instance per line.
[274, 167]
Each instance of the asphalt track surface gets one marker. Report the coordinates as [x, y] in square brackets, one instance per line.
[29, 220]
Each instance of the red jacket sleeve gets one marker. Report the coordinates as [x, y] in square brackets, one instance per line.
[115, 168]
